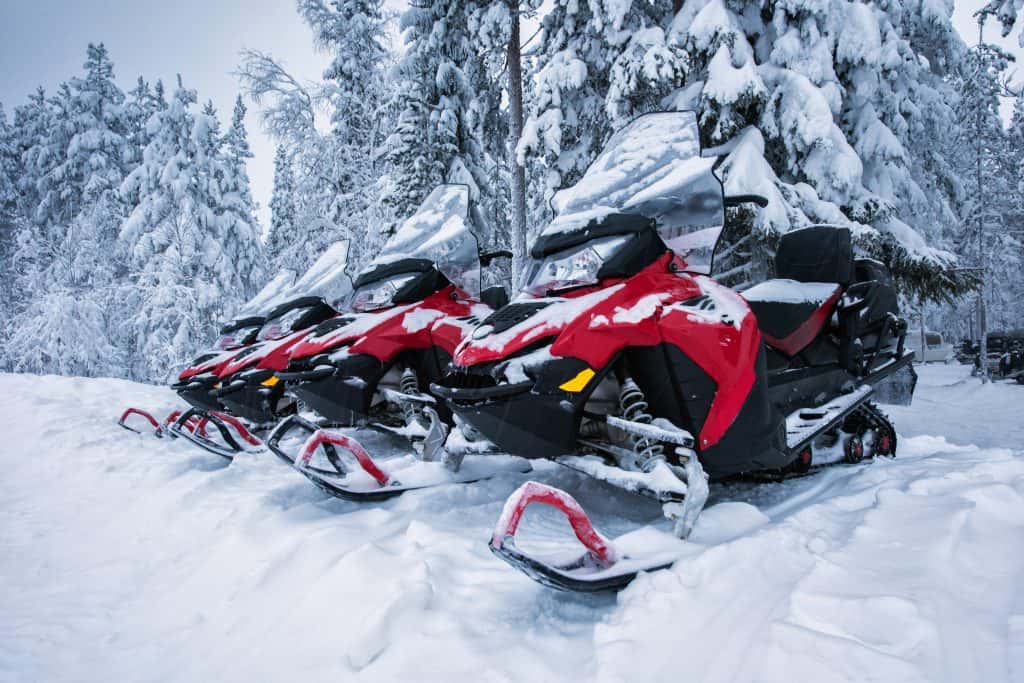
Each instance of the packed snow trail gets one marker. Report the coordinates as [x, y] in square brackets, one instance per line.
[125, 557]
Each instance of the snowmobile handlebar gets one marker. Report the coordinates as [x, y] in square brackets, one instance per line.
[739, 199]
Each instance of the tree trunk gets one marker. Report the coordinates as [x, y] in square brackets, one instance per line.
[676, 6]
[515, 108]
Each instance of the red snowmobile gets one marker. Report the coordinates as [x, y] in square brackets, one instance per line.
[227, 384]
[646, 373]
[372, 367]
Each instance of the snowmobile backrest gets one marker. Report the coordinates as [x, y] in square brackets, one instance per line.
[821, 253]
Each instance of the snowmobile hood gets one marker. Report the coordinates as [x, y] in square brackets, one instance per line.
[208, 362]
[443, 318]
[270, 354]
[595, 314]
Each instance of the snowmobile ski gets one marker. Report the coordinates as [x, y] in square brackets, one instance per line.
[235, 437]
[369, 480]
[605, 565]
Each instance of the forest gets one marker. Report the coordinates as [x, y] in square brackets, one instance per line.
[128, 230]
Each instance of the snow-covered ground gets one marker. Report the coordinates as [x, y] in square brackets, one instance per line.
[125, 557]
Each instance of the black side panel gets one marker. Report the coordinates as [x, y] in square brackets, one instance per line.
[345, 396]
[757, 438]
[674, 386]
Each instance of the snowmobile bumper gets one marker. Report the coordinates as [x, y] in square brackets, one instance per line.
[518, 418]
[196, 391]
[253, 396]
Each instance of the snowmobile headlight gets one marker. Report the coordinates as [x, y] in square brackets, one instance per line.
[281, 325]
[380, 294]
[572, 267]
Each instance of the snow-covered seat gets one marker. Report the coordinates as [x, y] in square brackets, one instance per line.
[791, 314]
[812, 266]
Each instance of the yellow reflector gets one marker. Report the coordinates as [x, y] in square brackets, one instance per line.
[579, 382]
[217, 385]
[271, 381]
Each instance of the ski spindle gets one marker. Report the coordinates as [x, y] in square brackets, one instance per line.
[535, 492]
[321, 437]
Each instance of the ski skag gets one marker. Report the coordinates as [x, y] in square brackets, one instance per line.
[624, 360]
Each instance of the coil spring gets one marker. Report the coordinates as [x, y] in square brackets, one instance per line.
[634, 408]
[409, 384]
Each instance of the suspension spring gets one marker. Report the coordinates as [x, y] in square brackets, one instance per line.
[635, 409]
[410, 385]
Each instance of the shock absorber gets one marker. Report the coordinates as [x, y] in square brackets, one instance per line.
[410, 385]
[635, 409]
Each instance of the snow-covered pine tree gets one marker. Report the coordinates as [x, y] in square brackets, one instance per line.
[70, 245]
[598, 64]
[446, 112]
[193, 254]
[334, 173]
[8, 220]
[1007, 12]
[987, 191]
[826, 108]
[282, 209]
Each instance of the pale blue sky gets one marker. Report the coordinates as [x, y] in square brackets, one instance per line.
[42, 42]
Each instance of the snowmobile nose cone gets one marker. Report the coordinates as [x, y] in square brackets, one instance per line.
[482, 331]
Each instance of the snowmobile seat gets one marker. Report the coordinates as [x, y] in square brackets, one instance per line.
[790, 314]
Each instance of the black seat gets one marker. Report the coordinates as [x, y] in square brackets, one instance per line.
[812, 266]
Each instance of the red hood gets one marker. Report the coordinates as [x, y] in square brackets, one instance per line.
[219, 358]
[632, 303]
[434, 321]
[271, 354]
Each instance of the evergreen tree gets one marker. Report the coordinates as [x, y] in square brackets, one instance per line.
[193, 252]
[986, 241]
[70, 243]
[282, 211]
[446, 110]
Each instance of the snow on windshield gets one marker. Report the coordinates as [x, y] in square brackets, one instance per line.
[440, 231]
[652, 167]
[327, 278]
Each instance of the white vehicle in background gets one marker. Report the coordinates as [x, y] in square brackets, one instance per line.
[936, 349]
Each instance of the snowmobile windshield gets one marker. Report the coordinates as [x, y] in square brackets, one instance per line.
[439, 232]
[652, 168]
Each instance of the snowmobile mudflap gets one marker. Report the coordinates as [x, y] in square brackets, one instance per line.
[226, 425]
[604, 566]
[372, 482]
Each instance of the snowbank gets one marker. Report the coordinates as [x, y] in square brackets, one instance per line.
[124, 557]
